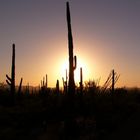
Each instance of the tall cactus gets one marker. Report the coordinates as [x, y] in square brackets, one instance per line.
[81, 81]
[72, 60]
[46, 81]
[113, 81]
[11, 80]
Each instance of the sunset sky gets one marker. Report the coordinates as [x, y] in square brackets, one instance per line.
[106, 36]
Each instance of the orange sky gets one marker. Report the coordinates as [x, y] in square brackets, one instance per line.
[106, 36]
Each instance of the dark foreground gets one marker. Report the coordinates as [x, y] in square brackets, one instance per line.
[93, 116]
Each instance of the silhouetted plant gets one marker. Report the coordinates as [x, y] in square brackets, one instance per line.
[11, 80]
[65, 86]
[81, 81]
[43, 81]
[72, 60]
[110, 82]
[20, 85]
[27, 89]
[113, 81]
[46, 81]
[44, 84]
[57, 86]
[91, 86]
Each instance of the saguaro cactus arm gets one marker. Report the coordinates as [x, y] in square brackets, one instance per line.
[75, 63]
[9, 80]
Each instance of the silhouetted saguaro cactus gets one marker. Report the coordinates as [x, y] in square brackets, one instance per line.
[65, 86]
[66, 82]
[72, 60]
[63, 83]
[46, 81]
[11, 80]
[43, 81]
[20, 85]
[57, 86]
[113, 81]
[81, 81]
[75, 63]
[70, 107]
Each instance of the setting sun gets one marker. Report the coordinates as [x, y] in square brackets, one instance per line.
[80, 64]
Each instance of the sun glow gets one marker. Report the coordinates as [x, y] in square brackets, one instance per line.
[80, 64]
